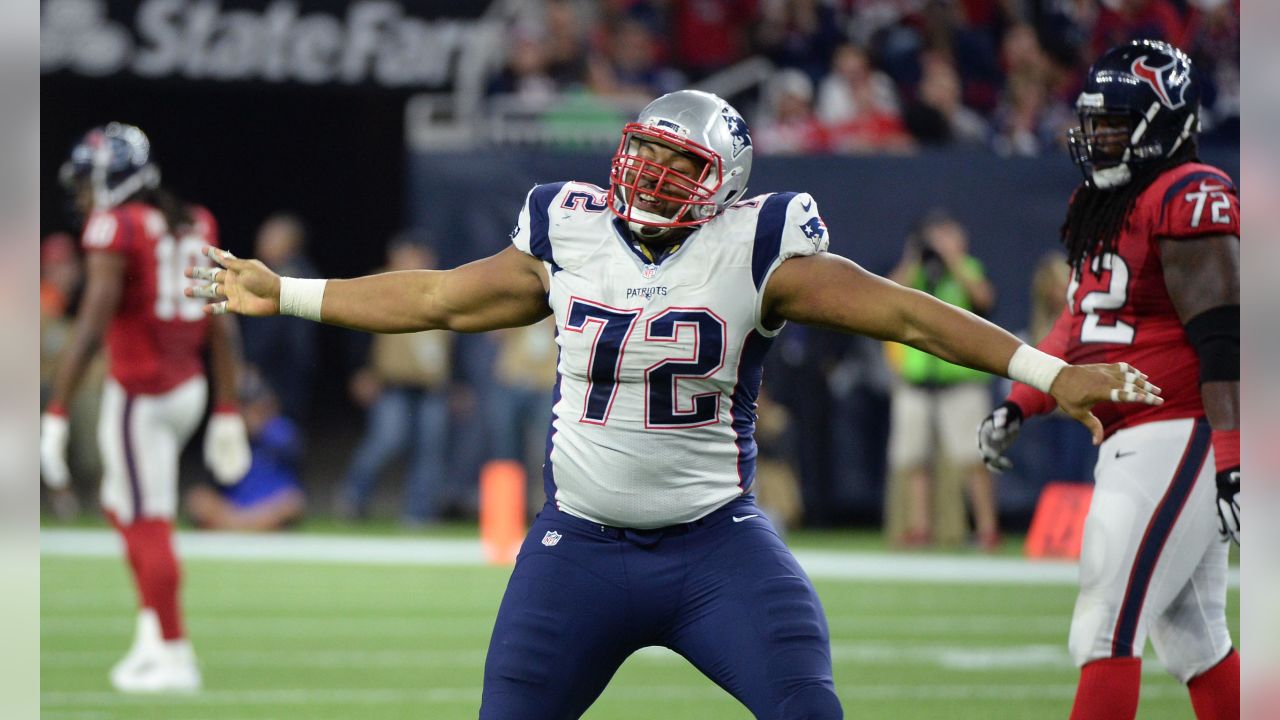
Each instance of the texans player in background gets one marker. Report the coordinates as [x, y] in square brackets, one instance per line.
[1153, 240]
[138, 238]
[667, 289]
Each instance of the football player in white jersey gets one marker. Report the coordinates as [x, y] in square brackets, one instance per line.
[667, 289]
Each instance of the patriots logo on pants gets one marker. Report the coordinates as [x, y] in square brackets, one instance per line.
[551, 538]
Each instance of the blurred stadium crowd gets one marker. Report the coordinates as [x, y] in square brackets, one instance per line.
[863, 76]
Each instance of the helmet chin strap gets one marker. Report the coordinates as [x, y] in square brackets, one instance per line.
[647, 232]
[148, 176]
[1112, 177]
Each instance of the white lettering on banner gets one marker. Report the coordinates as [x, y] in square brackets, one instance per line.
[199, 39]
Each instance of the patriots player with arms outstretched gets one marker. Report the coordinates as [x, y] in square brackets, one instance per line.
[1153, 240]
[138, 238]
[667, 290]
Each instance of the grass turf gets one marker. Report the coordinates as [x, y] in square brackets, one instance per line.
[317, 641]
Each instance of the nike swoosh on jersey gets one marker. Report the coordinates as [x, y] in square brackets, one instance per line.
[806, 205]
[744, 517]
[1209, 188]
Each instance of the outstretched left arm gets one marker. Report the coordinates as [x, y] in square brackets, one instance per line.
[832, 292]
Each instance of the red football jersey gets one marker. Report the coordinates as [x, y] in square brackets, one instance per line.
[1124, 313]
[156, 339]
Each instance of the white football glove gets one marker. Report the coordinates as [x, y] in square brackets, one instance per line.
[226, 447]
[1228, 482]
[53, 450]
[996, 435]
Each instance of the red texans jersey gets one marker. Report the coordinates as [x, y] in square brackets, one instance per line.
[157, 337]
[1118, 309]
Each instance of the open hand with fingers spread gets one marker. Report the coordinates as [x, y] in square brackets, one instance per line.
[246, 287]
[1079, 387]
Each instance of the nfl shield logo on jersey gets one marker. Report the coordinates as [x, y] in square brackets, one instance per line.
[551, 538]
[649, 271]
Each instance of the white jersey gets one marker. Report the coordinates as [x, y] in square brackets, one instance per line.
[654, 405]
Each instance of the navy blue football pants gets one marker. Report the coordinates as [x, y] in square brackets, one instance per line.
[724, 592]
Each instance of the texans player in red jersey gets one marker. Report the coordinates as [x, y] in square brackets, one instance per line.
[1153, 240]
[138, 238]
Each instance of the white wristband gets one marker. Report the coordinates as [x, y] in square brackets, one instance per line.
[301, 297]
[1035, 368]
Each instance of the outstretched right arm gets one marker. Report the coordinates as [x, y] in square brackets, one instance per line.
[507, 289]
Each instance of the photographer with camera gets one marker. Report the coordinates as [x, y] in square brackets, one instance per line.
[931, 445]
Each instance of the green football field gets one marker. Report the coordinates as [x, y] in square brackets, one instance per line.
[360, 632]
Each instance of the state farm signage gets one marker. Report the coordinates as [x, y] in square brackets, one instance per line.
[372, 41]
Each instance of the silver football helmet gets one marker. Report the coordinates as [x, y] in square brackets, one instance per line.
[699, 125]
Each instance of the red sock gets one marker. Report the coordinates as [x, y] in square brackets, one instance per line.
[1108, 690]
[1215, 693]
[149, 547]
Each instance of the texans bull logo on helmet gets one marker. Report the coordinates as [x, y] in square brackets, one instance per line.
[1172, 90]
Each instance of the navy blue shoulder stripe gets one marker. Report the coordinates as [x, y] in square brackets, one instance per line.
[539, 238]
[1182, 183]
[768, 240]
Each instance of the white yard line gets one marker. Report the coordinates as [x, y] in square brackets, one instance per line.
[345, 549]
[470, 695]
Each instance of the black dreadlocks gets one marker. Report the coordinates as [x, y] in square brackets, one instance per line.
[177, 214]
[1096, 217]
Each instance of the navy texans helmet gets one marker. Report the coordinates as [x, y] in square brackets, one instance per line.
[115, 163]
[699, 125]
[1140, 103]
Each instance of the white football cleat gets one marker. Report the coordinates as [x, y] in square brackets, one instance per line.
[170, 669]
[147, 642]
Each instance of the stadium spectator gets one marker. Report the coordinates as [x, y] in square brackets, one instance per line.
[939, 117]
[525, 81]
[931, 436]
[567, 42]
[286, 352]
[404, 387]
[947, 28]
[855, 383]
[1025, 122]
[789, 126]
[777, 482]
[1215, 25]
[627, 67]
[270, 496]
[138, 238]
[60, 275]
[523, 374]
[1120, 21]
[651, 455]
[801, 34]
[855, 91]
[710, 35]
[1065, 28]
[1054, 449]
[61, 279]
[1153, 240]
